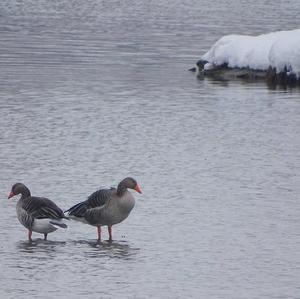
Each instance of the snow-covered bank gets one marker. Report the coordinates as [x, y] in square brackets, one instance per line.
[276, 54]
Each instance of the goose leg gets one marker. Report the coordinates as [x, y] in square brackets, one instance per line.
[110, 232]
[45, 237]
[99, 233]
[29, 235]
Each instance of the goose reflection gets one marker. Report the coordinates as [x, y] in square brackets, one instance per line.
[111, 249]
[39, 245]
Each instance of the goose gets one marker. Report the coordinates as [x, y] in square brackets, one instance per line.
[106, 207]
[37, 214]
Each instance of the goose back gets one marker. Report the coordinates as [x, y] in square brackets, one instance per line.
[114, 210]
[31, 208]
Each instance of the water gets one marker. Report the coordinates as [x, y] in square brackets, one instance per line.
[94, 91]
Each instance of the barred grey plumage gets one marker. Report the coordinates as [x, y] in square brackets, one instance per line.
[37, 214]
[106, 207]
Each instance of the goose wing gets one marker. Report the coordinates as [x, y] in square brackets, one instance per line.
[99, 198]
[40, 207]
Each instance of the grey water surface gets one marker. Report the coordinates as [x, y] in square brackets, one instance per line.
[94, 91]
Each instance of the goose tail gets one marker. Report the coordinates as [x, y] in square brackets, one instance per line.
[58, 223]
[76, 212]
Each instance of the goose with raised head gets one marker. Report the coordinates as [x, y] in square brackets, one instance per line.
[106, 207]
[37, 214]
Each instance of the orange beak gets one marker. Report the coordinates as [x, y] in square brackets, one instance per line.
[11, 194]
[137, 189]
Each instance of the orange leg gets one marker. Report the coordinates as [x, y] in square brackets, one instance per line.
[99, 233]
[110, 232]
[29, 235]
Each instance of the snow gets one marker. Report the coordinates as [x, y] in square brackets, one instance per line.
[277, 49]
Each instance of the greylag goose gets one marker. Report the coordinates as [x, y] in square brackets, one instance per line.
[37, 214]
[106, 207]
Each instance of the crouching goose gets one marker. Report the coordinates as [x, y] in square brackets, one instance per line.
[37, 214]
[106, 207]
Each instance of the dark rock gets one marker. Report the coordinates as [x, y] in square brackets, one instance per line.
[223, 72]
